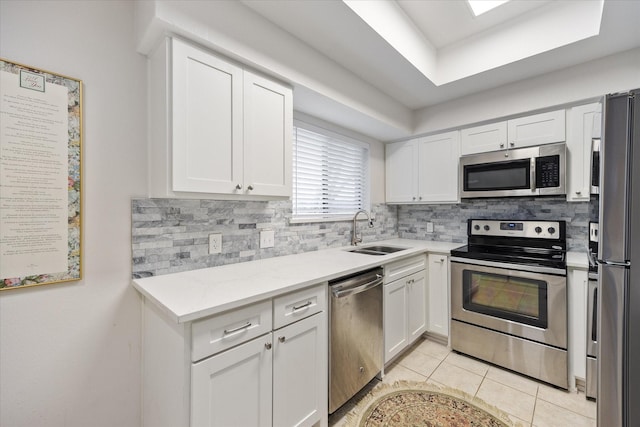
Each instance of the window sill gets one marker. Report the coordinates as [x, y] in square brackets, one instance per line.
[340, 218]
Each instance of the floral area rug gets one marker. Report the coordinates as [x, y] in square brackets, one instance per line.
[417, 404]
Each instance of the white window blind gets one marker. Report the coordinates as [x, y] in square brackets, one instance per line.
[330, 174]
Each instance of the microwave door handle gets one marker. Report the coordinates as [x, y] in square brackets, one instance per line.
[532, 174]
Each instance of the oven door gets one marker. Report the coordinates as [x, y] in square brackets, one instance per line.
[525, 304]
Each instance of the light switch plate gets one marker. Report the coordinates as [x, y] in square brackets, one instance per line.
[215, 243]
[267, 239]
[429, 227]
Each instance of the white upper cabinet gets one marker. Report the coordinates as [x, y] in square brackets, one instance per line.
[401, 172]
[423, 170]
[480, 139]
[537, 129]
[583, 125]
[268, 130]
[439, 156]
[205, 111]
[216, 129]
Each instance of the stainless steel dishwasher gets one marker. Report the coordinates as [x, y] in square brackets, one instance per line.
[355, 334]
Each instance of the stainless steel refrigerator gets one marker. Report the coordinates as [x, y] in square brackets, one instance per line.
[619, 258]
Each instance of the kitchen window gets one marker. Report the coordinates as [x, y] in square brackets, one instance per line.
[330, 175]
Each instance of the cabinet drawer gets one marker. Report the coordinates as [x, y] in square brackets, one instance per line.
[217, 333]
[399, 269]
[298, 305]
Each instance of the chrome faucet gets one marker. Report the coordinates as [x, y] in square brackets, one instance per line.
[355, 239]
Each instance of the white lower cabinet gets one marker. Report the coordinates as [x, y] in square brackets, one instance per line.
[404, 305]
[395, 319]
[279, 376]
[216, 372]
[300, 373]
[577, 283]
[234, 387]
[438, 297]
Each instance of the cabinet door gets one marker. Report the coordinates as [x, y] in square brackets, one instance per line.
[582, 127]
[206, 121]
[544, 128]
[401, 172]
[300, 373]
[268, 128]
[233, 388]
[577, 291]
[438, 295]
[439, 156]
[395, 319]
[480, 139]
[417, 305]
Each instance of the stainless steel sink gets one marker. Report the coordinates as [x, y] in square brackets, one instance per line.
[377, 250]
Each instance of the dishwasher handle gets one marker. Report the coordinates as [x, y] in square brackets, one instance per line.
[339, 292]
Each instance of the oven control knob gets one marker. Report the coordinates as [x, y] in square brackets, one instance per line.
[551, 230]
[538, 230]
[476, 227]
[486, 228]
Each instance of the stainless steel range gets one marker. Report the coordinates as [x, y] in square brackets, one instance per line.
[509, 297]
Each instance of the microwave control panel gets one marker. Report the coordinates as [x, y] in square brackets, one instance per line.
[548, 171]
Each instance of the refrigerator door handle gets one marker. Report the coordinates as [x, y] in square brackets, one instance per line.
[614, 263]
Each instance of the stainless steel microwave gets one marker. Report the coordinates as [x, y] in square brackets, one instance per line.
[529, 171]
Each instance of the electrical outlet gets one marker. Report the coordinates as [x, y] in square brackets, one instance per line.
[429, 227]
[267, 239]
[215, 243]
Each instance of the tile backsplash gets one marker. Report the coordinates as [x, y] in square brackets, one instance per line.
[172, 235]
[450, 221]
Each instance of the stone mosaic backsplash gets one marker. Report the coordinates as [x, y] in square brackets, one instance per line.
[450, 221]
[172, 235]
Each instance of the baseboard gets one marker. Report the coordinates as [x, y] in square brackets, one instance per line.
[581, 384]
[440, 339]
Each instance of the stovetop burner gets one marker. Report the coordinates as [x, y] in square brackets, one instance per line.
[535, 243]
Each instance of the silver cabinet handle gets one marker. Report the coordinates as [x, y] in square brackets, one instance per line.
[501, 145]
[268, 346]
[513, 144]
[238, 187]
[414, 198]
[249, 188]
[441, 259]
[239, 328]
[300, 307]
[282, 339]
[578, 192]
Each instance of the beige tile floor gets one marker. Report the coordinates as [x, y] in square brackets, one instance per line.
[526, 401]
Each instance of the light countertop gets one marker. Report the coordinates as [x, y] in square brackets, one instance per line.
[195, 294]
[576, 259]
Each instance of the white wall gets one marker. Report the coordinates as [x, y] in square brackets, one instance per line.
[70, 353]
[589, 80]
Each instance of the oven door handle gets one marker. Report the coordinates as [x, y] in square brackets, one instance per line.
[507, 266]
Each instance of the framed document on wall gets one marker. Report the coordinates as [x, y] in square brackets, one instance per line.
[40, 177]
